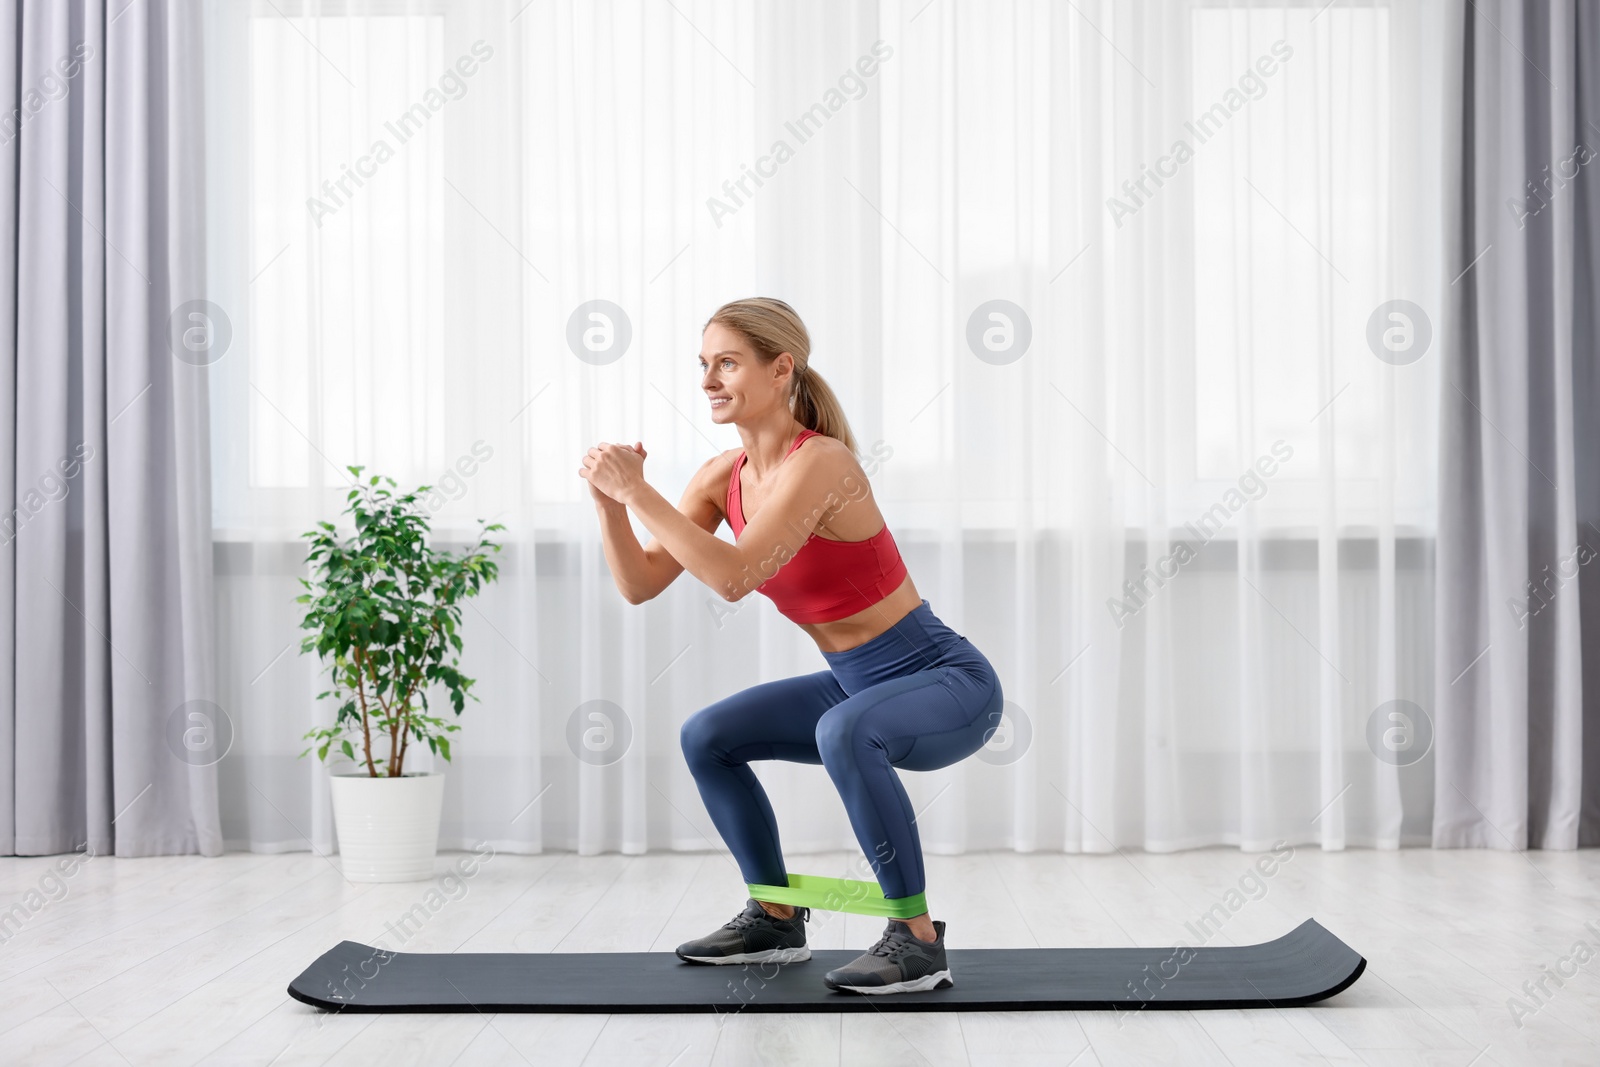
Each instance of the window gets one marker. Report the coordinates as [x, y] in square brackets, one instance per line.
[346, 345]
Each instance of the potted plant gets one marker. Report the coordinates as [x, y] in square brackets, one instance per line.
[385, 611]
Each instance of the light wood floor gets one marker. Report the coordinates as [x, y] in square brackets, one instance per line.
[180, 960]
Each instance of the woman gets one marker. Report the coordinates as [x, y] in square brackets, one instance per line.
[902, 689]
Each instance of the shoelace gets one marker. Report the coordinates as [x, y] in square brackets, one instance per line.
[891, 945]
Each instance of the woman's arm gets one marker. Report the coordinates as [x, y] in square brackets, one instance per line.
[810, 484]
[643, 573]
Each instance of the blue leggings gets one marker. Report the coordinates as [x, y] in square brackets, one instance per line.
[918, 696]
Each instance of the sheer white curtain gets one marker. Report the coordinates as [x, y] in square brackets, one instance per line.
[1167, 486]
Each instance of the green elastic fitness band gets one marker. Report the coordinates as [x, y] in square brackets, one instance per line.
[839, 894]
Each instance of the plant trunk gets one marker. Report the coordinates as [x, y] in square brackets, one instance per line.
[366, 731]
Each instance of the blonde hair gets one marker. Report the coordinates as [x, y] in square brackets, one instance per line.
[772, 328]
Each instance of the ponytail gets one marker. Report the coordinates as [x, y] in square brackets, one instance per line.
[816, 407]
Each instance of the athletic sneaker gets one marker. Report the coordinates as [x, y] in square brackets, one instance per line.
[898, 963]
[752, 936]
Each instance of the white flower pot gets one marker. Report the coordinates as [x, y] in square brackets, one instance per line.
[388, 827]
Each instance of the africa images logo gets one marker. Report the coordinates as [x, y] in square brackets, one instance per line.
[452, 86]
[1252, 86]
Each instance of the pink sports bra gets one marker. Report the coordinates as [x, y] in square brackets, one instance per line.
[826, 579]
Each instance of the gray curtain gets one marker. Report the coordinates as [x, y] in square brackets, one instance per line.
[1519, 500]
[109, 740]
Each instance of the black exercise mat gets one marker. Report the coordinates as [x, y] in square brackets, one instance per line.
[1305, 965]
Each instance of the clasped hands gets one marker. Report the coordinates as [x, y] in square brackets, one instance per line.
[614, 471]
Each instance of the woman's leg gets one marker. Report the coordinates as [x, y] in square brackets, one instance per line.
[773, 720]
[920, 721]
